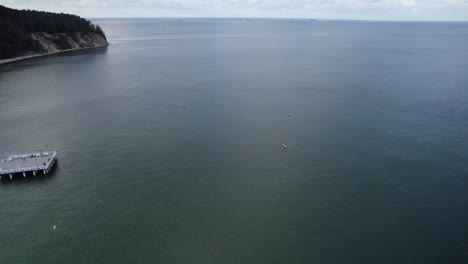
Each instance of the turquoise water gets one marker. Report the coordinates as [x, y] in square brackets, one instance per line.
[375, 170]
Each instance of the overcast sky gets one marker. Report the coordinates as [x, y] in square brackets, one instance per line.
[446, 10]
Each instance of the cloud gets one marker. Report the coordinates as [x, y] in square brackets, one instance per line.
[333, 9]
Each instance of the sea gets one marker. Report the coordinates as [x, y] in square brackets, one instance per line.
[170, 144]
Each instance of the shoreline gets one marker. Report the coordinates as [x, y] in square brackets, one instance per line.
[5, 61]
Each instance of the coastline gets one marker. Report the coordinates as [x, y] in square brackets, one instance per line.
[5, 61]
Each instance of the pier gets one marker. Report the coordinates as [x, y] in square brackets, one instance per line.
[27, 164]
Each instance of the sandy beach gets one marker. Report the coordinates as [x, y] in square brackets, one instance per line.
[4, 61]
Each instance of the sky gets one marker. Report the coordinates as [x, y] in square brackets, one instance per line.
[413, 10]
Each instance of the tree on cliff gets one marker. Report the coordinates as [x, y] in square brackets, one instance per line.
[17, 25]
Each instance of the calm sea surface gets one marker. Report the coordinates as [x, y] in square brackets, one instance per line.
[375, 170]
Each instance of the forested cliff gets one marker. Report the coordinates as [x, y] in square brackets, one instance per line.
[27, 32]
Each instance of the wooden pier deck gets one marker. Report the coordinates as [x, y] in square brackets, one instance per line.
[24, 164]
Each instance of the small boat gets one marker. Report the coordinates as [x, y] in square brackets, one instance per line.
[284, 145]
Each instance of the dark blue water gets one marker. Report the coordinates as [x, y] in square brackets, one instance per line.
[375, 170]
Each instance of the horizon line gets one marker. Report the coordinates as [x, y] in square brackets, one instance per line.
[281, 18]
[248, 17]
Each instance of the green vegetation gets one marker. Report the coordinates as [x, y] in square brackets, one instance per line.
[17, 25]
[62, 42]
